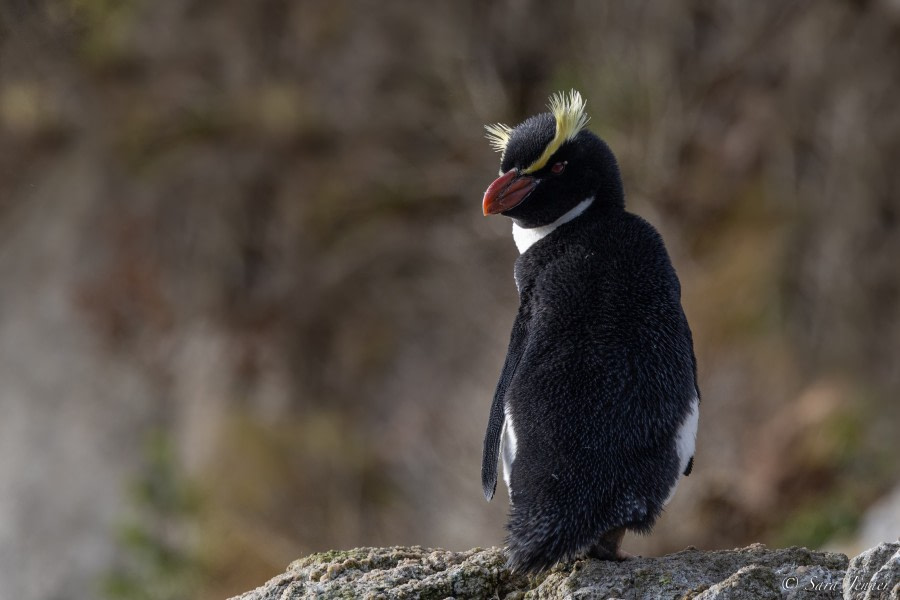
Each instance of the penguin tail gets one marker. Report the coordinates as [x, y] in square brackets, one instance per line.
[545, 533]
[537, 540]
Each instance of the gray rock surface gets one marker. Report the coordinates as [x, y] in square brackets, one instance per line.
[874, 574]
[398, 573]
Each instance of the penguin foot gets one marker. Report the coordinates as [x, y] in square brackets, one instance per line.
[609, 546]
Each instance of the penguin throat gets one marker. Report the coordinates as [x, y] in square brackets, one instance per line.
[526, 237]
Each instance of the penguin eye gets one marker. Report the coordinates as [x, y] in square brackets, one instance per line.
[558, 167]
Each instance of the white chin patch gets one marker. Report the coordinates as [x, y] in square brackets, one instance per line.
[508, 445]
[684, 442]
[525, 238]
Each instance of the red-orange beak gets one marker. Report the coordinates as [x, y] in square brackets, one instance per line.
[507, 191]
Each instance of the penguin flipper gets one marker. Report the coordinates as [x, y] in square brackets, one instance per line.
[492, 448]
[495, 420]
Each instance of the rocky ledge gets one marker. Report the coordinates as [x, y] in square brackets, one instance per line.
[754, 572]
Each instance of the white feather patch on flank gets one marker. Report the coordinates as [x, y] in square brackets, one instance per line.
[685, 442]
[508, 445]
[525, 238]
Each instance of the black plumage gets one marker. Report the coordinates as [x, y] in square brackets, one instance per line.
[600, 377]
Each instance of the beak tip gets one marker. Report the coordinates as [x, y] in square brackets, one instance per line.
[491, 204]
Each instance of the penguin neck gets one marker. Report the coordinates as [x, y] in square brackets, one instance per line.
[526, 237]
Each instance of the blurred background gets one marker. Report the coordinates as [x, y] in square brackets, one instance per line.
[250, 308]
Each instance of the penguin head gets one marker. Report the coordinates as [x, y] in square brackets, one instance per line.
[549, 164]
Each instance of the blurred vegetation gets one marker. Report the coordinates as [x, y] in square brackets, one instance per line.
[158, 559]
[279, 203]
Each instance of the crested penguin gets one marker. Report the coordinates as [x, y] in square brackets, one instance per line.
[595, 413]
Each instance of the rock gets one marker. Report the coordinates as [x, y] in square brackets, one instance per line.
[400, 573]
[750, 582]
[874, 574]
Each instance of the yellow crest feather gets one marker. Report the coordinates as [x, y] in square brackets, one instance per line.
[498, 136]
[568, 110]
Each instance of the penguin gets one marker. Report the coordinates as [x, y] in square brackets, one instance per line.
[595, 414]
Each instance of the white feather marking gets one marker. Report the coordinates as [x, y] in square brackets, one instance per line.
[508, 445]
[685, 441]
[525, 238]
